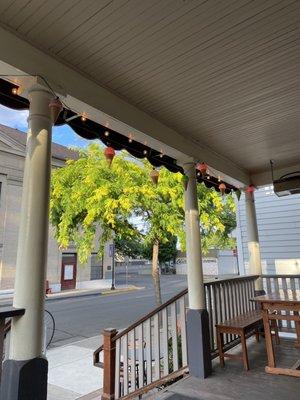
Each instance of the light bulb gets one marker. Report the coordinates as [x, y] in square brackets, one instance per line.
[106, 133]
[14, 90]
[145, 152]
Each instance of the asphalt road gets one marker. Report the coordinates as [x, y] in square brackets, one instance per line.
[84, 317]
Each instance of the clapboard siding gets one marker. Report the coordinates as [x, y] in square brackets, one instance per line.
[278, 226]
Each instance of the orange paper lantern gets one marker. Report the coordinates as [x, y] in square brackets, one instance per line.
[154, 175]
[222, 188]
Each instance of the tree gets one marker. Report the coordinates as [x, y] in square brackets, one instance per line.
[87, 193]
[130, 247]
[167, 250]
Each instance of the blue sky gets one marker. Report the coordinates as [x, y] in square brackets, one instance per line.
[63, 135]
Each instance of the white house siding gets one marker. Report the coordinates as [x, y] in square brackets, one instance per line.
[279, 231]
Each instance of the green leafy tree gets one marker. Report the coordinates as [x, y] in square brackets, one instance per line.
[87, 193]
[130, 247]
[158, 207]
[167, 250]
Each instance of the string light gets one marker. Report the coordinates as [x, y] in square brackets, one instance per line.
[15, 90]
[83, 118]
[219, 178]
[130, 138]
[106, 133]
[145, 152]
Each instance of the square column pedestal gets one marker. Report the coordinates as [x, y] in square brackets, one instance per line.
[198, 342]
[24, 380]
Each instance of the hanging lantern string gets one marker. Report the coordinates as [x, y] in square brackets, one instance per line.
[149, 151]
[145, 152]
[216, 184]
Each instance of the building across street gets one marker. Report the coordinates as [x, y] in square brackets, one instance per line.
[64, 271]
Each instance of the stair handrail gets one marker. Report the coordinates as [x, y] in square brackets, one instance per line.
[96, 354]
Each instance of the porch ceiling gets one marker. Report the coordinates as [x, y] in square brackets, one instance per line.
[221, 75]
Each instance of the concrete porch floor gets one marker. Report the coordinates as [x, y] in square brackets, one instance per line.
[232, 382]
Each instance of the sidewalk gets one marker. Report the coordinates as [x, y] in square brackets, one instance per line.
[6, 296]
[71, 371]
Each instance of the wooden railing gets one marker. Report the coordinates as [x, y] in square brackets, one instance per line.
[274, 283]
[153, 350]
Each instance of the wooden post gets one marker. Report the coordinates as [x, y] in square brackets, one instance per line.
[109, 357]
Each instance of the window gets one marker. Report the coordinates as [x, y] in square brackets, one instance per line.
[96, 267]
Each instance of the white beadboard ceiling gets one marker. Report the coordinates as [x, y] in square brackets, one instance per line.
[225, 73]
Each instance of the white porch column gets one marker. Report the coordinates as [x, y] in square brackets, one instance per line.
[198, 341]
[193, 242]
[255, 267]
[26, 368]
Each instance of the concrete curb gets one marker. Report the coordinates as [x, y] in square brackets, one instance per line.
[70, 295]
[76, 294]
[106, 292]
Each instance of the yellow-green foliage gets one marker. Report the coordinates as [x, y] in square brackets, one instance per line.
[87, 193]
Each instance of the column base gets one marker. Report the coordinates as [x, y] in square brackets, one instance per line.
[22, 380]
[198, 343]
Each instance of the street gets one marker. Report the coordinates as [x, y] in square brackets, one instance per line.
[84, 317]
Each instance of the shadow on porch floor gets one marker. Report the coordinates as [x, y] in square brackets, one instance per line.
[232, 382]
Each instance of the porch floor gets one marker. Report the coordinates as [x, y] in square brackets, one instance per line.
[232, 382]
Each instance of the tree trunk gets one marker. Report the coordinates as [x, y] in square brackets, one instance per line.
[155, 273]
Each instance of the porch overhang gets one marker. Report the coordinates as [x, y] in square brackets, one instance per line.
[229, 98]
[103, 106]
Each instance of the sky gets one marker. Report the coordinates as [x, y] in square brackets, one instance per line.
[63, 135]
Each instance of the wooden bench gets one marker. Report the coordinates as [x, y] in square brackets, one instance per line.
[244, 325]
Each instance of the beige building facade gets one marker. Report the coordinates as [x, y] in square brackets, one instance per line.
[64, 271]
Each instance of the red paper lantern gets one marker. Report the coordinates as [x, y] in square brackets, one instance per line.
[222, 188]
[202, 167]
[109, 153]
[250, 189]
[154, 175]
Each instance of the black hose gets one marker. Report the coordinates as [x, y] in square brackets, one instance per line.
[53, 330]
